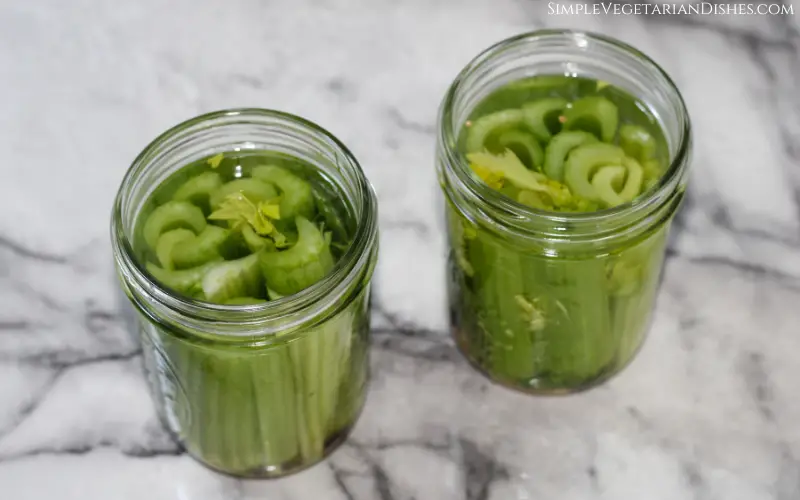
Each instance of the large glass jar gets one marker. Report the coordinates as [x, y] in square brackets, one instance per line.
[550, 302]
[254, 390]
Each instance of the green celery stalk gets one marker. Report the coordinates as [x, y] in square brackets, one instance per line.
[512, 335]
[274, 394]
[580, 342]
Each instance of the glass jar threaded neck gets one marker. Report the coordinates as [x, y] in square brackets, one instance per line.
[242, 130]
[575, 54]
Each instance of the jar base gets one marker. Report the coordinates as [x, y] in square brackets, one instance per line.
[602, 377]
[293, 467]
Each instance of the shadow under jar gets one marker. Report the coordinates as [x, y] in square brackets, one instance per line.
[258, 384]
[563, 157]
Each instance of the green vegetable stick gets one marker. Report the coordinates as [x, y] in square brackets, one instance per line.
[513, 350]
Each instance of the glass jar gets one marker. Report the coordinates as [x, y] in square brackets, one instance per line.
[550, 302]
[254, 390]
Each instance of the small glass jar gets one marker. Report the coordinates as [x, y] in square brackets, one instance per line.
[254, 390]
[550, 302]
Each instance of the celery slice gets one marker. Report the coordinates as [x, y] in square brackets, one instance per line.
[541, 116]
[637, 142]
[186, 281]
[233, 278]
[198, 189]
[583, 161]
[594, 114]
[172, 215]
[558, 149]
[167, 242]
[519, 141]
[297, 198]
[302, 265]
[480, 130]
[204, 247]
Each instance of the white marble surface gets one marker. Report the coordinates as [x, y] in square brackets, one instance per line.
[709, 410]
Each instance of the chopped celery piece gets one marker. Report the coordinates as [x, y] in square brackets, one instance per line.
[519, 141]
[186, 281]
[297, 198]
[198, 189]
[166, 244]
[652, 173]
[637, 142]
[480, 130]
[233, 278]
[308, 261]
[606, 182]
[558, 149]
[539, 116]
[594, 114]
[634, 175]
[172, 215]
[254, 189]
[508, 166]
[255, 242]
[216, 160]
[584, 161]
[204, 247]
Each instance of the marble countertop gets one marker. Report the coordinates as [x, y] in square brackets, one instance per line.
[709, 410]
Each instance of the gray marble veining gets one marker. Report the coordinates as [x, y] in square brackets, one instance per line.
[707, 411]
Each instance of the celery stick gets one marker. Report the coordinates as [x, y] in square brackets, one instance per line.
[274, 397]
[512, 335]
[305, 360]
[581, 343]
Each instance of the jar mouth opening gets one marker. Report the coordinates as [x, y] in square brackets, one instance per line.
[522, 214]
[334, 284]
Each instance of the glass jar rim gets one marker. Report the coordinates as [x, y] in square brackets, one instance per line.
[332, 286]
[528, 219]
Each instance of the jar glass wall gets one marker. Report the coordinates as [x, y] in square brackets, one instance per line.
[550, 302]
[255, 390]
